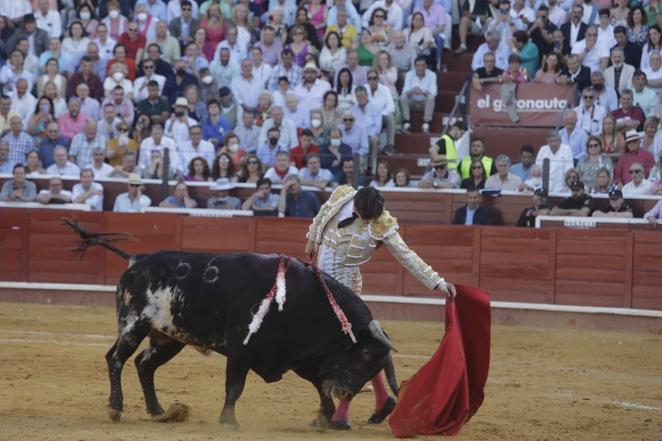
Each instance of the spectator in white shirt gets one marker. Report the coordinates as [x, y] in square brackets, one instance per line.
[246, 88]
[592, 52]
[380, 96]
[158, 142]
[288, 131]
[177, 127]
[294, 112]
[281, 168]
[492, 44]
[420, 90]
[87, 191]
[261, 70]
[560, 161]
[55, 194]
[394, 13]
[100, 168]
[639, 184]
[589, 114]
[503, 179]
[132, 201]
[61, 165]
[196, 147]
[310, 93]
[140, 91]
[22, 101]
[48, 20]
[368, 117]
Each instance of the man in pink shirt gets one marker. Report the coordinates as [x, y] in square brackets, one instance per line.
[72, 122]
[654, 213]
[633, 153]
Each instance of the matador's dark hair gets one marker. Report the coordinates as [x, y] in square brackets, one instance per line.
[369, 203]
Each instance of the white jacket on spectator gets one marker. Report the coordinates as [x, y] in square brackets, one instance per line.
[559, 163]
[95, 201]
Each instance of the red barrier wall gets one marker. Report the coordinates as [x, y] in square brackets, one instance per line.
[617, 268]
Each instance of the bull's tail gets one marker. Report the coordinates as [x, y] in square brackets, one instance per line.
[91, 239]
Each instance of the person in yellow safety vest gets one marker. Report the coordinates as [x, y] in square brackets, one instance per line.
[445, 147]
[476, 151]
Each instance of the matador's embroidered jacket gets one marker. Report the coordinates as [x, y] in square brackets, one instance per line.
[343, 250]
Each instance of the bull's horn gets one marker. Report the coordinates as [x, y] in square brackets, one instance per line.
[378, 333]
[389, 370]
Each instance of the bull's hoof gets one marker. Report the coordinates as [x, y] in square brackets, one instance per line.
[114, 414]
[340, 425]
[386, 410]
[230, 425]
[176, 413]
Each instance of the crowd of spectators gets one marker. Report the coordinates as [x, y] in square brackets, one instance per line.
[303, 93]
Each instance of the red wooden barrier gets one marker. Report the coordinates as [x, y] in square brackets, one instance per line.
[618, 268]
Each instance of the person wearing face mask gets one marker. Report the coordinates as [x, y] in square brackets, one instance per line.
[317, 127]
[215, 126]
[154, 8]
[267, 152]
[233, 149]
[118, 78]
[208, 89]
[248, 132]
[605, 96]
[333, 153]
[115, 21]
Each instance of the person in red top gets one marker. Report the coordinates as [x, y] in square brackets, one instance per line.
[298, 154]
[629, 116]
[133, 42]
[120, 56]
[87, 76]
[633, 153]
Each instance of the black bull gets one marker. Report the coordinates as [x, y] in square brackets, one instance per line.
[208, 300]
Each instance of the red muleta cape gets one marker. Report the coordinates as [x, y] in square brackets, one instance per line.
[448, 390]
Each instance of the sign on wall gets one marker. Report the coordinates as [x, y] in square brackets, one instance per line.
[538, 105]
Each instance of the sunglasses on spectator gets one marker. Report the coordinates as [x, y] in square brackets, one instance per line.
[588, 97]
[379, 16]
[122, 129]
[348, 119]
[477, 167]
[594, 145]
[636, 170]
[134, 185]
[148, 66]
[133, 29]
[251, 162]
[186, 8]
[372, 78]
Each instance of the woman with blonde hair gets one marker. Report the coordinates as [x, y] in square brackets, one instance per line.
[214, 26]
[650, 130]
[52, 74]
[242, 20]
[613, 142]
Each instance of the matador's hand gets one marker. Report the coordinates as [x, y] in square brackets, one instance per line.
[448, 289]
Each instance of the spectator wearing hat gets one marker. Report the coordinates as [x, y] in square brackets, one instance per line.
[177, 82]
[311, 90]
[179, 198]
[560, 161]
[222, 199]
[263, 202]
[419, 90]
[616, 208]
[246, 87]
[540, 208]
[633, 154]
[38, 38]
[473, 213]
[55, 194]
[440, 177]
[503, 179]
[296, 202]
[177, 127]
[638, 185]
[578, 204]
[133, 201]
[87, 191]
[18, 189]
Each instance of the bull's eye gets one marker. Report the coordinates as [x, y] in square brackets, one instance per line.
[365, 353]
[210, 275]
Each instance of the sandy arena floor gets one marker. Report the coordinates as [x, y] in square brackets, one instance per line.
[544, 384]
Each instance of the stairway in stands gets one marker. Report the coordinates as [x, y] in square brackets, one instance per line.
[412, 148]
